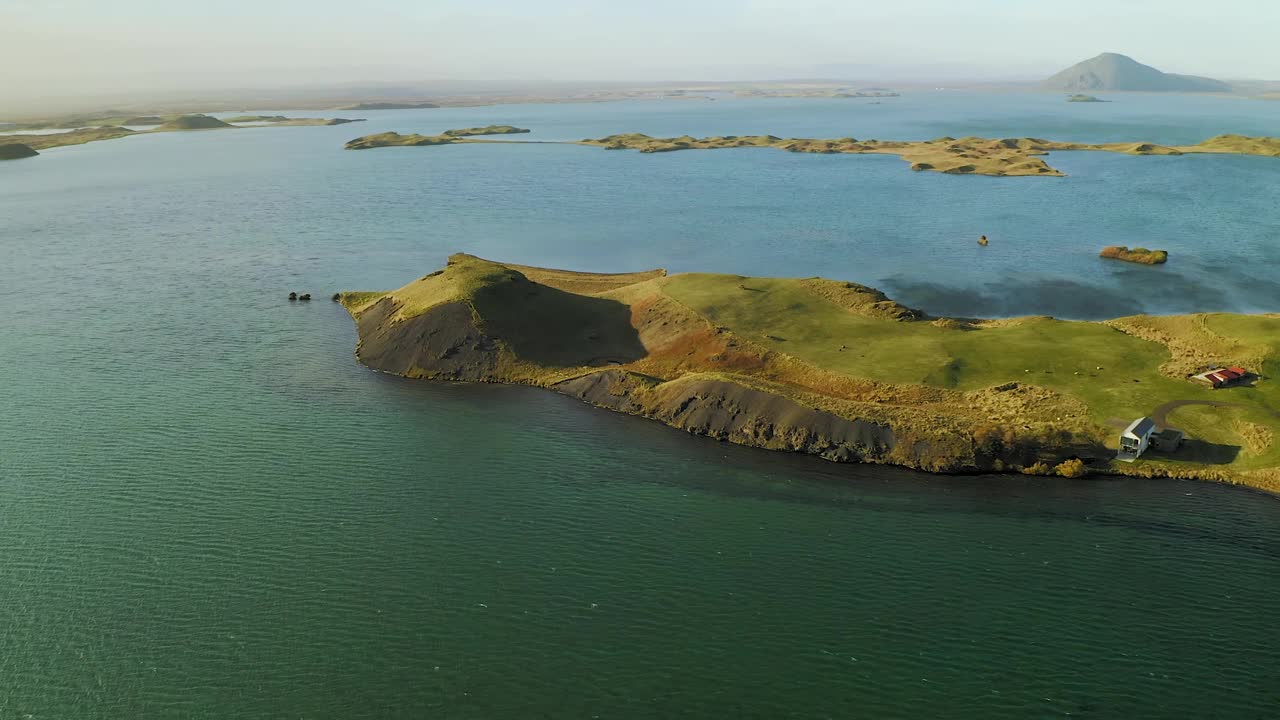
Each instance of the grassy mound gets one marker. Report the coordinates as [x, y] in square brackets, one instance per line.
[194, 122]
[1138, 255]
[16, 151]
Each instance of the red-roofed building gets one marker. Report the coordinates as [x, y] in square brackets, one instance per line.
[1221, 377]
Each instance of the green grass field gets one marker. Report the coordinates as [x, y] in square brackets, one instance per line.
[1116, 375]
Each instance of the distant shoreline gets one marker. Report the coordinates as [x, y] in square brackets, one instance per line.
[1005, 157]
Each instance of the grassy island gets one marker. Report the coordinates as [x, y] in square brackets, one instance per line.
[394, 139]
[16, 151]
[1139, 255]
[1085, 99]
[839, 370]
[448, 137]
[956, 156]
[486, 130]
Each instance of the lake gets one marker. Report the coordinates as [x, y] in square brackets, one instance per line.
[208, 509]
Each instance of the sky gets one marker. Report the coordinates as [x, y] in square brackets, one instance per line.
[69, 47]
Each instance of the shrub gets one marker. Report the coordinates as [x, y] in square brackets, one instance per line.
[1136, 255]
[1072, 468]
[1039, 468]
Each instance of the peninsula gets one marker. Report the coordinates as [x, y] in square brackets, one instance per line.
[174, 123]
[839, 370]
[957, 156]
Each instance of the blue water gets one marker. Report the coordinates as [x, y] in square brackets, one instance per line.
[208, 509]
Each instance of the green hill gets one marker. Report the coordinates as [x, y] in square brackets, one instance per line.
[194, 122]
[1112, 71]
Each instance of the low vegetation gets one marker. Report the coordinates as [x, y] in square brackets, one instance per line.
[834, 368]
[71, 137]
[1138, 255]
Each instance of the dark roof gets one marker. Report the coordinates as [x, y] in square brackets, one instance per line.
[1141, 426]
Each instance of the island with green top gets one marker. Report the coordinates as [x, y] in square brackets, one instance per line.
[486, 130]
[839, 370]
[957, 156]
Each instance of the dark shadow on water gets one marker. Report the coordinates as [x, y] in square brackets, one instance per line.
[1182, 510]
[1121, 291]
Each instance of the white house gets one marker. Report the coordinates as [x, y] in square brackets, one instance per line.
[1136, 438]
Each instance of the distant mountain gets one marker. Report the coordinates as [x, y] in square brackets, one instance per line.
[1111, 71]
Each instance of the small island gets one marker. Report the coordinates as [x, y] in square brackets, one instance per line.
[16, 151]
[448, 137]
[840, 370]
[1085, 99]
[486, 130]
[955, 156]
[1139, 255]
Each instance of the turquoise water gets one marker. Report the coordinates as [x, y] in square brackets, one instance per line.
[209, 510]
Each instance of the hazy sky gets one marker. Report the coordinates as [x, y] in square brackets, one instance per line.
[60, 47]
